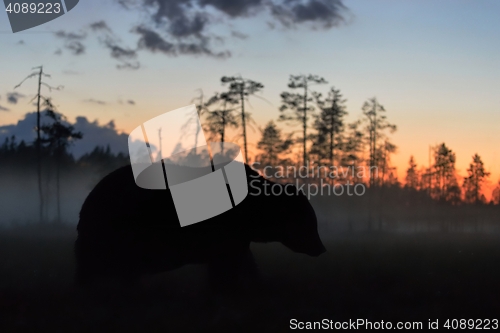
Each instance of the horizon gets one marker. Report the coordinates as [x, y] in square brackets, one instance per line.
[401, 53]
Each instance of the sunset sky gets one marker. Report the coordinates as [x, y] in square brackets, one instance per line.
[434, 65]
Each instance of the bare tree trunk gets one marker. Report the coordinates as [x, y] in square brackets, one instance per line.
[305, 123]
[243, 123]
[38, 147]
[332, 138]
[58, 191]
[198, 128]
[223, 132]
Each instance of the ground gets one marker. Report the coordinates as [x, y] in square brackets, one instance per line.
[362, 276]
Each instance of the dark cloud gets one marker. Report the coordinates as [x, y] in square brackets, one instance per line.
[70, 35]
[94, 101]
[94, 134]
[234, 8]
[14, 97]
[183, 18]
[131, 102]
[239, 35]
[152, 41]
[119, 52]
[124, 55]
[182, 27]
[76, 47]
[72, 41]
[321, 13]
[201, 48]
[3, 109]
[178, 16]
[100, 26]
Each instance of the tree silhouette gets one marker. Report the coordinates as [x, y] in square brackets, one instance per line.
[272, 145]
[241, 89]
[39, 97]
[377, 123]
[474, 181]
[353, 147]
[295, 106]
[495, 195]
[200, 110]
[220, 118]
[328, 124]
[445, 185]
[412, 174]
[383, 159]
[58, 135]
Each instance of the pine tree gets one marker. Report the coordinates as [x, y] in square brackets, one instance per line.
[495, 195]
[412, 175]
[295, 106]
[377, 123]
[445, 185]
[240, 89]
[353, 148]
[58, 136]
[272, 145]
[329, 124]
[474, 181]
[220, 117]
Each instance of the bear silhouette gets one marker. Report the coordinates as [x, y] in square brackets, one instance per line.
[125, 231]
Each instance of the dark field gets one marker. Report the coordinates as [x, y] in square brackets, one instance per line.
[367, 276]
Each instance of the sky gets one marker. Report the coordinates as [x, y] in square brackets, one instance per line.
[432, 64]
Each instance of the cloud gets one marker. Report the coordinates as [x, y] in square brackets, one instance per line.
[100, 26]
[233, 8]
[321, 13]
[131, 102]
[4, 108]
[183, 27]
[152, 41]
[181, 18]
[124, 55]
[239, 35]
[13, 97]
[72, 41]
[94, 101]
[117, 51]
[94, 134]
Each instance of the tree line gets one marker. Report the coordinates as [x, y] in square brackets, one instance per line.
[325, 139]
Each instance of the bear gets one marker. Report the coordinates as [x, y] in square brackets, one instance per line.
[125, 231]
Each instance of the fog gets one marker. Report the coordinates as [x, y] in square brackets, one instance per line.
[392, 255]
